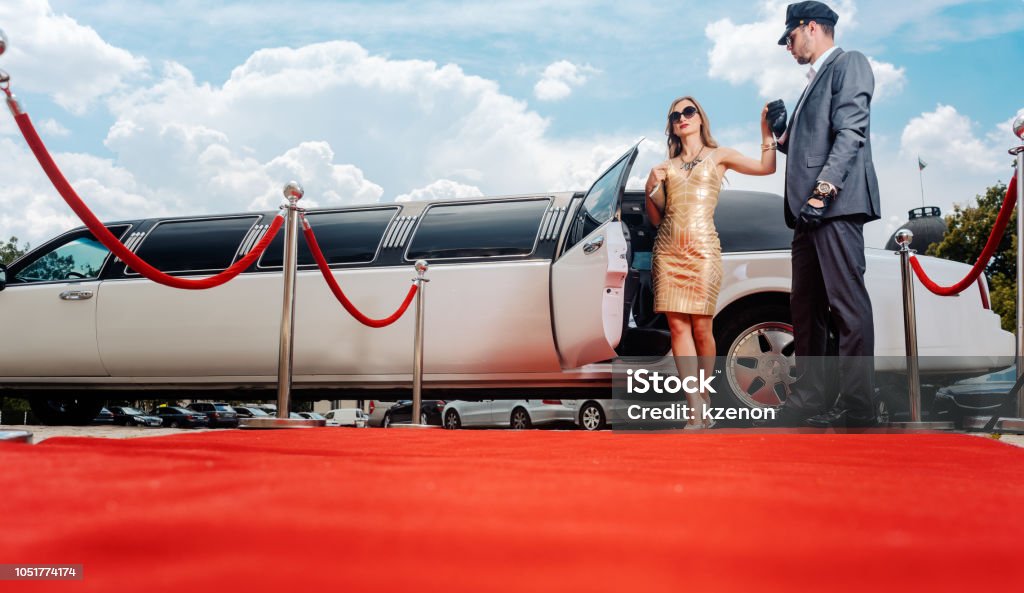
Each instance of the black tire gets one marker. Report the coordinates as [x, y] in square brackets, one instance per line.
[766, 330]
[386, 423]
[452, 420]
[520, 419]
[754, 345]
[73, 412]
[424, 418]
[592, 417]
[174, 424]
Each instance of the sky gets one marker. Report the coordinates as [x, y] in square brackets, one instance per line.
[186, 107]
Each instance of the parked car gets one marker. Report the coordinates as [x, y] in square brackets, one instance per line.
[312, 416]
[218, 414]
[516, 414]
[249, 412]
[979, 396]
[401, 413]
[175, 417]
[593, 414]
[104, 416]
[346, 417]
[377, 409]
[127, 416]
[531, 296]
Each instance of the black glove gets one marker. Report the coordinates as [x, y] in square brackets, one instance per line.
[811, 216]
[777, 117]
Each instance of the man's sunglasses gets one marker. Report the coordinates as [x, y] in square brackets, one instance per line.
[688, 112]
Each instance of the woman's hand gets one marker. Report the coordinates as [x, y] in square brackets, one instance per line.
[766, 130]
[658, 175]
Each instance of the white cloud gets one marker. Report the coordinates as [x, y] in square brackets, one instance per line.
[53, 54]
[52, 127]
[442, 189]
[749, 53]
[961, 165]
[889, 79]
[560, 78]
[946, 138]
[350, 126]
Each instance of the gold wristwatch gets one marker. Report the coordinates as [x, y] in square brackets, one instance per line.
[825, 189]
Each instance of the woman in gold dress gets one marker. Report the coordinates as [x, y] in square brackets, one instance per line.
[687, 268]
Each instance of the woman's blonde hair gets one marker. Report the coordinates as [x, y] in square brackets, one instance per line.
[675, 143]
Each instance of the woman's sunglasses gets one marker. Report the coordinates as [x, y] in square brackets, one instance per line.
[688, 112]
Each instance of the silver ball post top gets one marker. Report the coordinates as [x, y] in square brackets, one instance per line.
[421, 266]
[1018, 126]
[3, 42]
[904, 237]
[293, 191]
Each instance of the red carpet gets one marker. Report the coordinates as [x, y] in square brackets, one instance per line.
[406, 510]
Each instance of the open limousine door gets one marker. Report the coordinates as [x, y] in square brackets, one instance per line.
[588, 279]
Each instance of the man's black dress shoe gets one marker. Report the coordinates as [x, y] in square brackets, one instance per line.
[784, 418]
[842, 418]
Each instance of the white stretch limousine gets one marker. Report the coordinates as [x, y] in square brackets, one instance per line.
[530, 297]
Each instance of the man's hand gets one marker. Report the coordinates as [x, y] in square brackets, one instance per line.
[777, 117]
[813, 213]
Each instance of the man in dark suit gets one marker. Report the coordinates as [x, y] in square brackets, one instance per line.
[831, 191]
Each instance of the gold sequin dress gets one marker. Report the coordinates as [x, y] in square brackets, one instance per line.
[687, 266]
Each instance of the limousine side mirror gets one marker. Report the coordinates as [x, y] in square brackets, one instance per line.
[3, 276]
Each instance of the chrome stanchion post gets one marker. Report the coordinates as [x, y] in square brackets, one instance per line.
[417, 349]
[293, 192]
[1012, 425]
[1018, 129]
[903, 238]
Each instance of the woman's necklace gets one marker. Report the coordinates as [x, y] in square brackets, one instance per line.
[688, 166]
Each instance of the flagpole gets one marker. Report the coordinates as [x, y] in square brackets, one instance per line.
[920, 175]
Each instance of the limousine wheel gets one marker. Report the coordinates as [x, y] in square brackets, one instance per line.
[55, 412]
[756, 349]
[452, 420]
[592, 417]
[520, 419]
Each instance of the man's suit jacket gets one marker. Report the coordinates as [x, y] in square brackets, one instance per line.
[829, 139]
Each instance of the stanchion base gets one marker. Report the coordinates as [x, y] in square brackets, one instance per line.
[1004, 425]
[922, 425]
[16, 436]
[280, 423]
[420, 426]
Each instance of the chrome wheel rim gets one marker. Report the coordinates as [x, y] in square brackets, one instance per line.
[519, 420]
[387, 421]
[759, 364]
[451, 421]
[591, 418]
[423, 418]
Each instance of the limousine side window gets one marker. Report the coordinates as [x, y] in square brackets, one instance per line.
[348, 237]
[78, 257]
[492, 229]
[205, 245]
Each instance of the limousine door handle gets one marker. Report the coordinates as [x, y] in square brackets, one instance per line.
[76, 295]
[593, 245]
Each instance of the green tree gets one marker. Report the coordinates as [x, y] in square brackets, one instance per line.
[10, 250]
[967, 230]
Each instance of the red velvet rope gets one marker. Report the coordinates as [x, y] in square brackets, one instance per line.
[986, 254]
[111, 242]
[325, 269]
